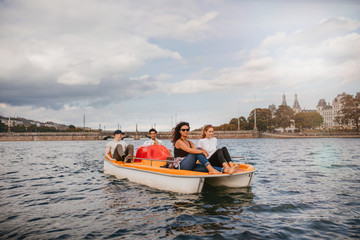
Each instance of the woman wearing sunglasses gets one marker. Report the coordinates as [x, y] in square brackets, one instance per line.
[217, 157]
[186, 154]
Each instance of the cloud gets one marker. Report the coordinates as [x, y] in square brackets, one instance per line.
[327, 51]
[65, 49]
[112, 59]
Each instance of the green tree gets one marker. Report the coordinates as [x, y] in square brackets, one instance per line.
[235, 123]
[46, 129]
[350, 111]
[3, 127]
[18, 128]
[72, 128]
[308, 120]
[32, 128]
[263, 119]
[243, 123]
[283, 116]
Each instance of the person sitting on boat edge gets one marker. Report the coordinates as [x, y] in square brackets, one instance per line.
[119, 149]
[153, 140]
[218, 157]
[186, 154]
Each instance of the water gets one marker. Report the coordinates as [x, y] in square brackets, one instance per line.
[303, 189]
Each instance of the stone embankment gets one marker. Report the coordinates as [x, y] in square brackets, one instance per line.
[217, 134]
[313, 135]
[91, 136]
[50, 136]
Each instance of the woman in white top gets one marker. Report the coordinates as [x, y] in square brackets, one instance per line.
[216, 157]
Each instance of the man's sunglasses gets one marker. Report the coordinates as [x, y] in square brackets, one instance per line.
[185, 129]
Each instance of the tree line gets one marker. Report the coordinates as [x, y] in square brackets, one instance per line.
[349, 114]
[35, 128]
[266, 121]
[285, 116]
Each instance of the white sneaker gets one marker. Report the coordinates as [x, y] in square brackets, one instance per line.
[128, 158]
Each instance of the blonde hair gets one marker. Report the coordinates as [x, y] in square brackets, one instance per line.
[205, 129]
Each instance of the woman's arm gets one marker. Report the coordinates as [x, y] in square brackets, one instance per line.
[180, 144]
[199, 146]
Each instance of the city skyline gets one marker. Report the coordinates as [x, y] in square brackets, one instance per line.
[121, 63]
[295, 106]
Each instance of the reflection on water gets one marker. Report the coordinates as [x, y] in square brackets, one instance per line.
[303, 189]
[175, 213]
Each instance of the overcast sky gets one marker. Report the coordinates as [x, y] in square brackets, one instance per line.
[157, 62]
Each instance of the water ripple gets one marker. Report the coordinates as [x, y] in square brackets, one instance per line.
[303, 189]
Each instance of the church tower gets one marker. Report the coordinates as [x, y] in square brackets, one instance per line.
[284, 100]
[296, 106]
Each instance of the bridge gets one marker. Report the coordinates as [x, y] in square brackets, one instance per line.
[104, 135]
[192, 135]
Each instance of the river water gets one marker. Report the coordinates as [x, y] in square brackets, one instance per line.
[303, 189]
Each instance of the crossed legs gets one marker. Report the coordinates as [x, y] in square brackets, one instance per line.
[120, 154]
[221, 158]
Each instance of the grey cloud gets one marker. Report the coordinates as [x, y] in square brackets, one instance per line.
[60, 52]
[50, 94]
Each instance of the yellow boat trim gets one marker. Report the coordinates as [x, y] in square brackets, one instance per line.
[145, 165]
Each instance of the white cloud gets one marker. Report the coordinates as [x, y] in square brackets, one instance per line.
[163, 77]
[327, 51]
[76, 45]
[278, 39]
[73, 78]
[188, 87]
[113, 59]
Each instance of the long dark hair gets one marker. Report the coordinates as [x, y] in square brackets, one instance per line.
[176, 131]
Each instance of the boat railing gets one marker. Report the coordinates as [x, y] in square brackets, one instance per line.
[156, 160]
[241, 158]
[172, 161]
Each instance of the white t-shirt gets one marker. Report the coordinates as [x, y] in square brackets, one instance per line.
[113, 145]
[151, 142]
[209, 144]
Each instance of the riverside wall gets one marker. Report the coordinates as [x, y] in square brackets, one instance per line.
[313, 135]
[50, 136]
[217, 134]
[91, 136]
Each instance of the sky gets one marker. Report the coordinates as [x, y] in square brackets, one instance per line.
[154, 63]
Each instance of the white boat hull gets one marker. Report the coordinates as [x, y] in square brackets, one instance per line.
[174, 182]
[181, 184]
[235, 180]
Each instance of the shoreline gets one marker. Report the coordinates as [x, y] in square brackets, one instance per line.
[91, 136]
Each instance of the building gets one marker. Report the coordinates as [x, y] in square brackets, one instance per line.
[272, 109]
[296, 106]
[330, 112]
[283, 100]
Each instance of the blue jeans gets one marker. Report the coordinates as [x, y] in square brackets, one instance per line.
[189, 163]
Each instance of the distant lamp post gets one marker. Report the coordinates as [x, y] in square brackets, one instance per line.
[239, 116]
[255, 128]
[9, 122]
[84, 123]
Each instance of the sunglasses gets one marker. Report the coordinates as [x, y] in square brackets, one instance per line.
[185, 129]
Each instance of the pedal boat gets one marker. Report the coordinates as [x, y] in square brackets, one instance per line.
[146, 169]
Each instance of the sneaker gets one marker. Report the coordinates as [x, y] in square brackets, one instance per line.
[128, 158]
